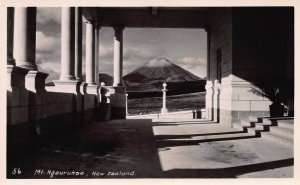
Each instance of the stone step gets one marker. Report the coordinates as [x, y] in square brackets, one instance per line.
[242, 126]
[255, 131]
[263, 126]
[284, 132]
[266, 120]
[253, 119]
[276, 120]
[277, 138]
[238, 126]
[285, 124]
[284, 121]
[279, 130]
[247, 123]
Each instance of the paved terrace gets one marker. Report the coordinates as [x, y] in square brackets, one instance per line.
[157, 148]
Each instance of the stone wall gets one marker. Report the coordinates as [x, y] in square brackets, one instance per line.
[220, 39]
[118, 103]
[256, 46]
[36, 113]
[220, 27]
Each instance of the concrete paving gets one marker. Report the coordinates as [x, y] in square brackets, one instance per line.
[157, 148]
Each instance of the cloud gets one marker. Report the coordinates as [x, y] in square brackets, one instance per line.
[136, 52]
[47, 44]
[106, 66]
[194, 65]
[193, 61]
[133, 57]
[48, 14]
[52, 67]
[50, 64]
[154, 40]
[48, 55]
[198, 70]
[106, 51]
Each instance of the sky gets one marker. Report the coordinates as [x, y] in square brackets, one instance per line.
[184, 47]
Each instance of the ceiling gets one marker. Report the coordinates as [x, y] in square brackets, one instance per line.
[151, 17]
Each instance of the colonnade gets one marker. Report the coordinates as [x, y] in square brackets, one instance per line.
[21, 44]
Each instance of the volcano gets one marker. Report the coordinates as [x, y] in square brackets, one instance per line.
[151, 76]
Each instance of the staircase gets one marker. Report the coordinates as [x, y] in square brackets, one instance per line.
[103, 112]
[280, 130]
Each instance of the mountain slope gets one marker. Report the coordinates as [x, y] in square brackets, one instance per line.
[160, 69]
[150, 76]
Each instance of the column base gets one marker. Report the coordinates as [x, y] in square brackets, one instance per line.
[67, 86]
[35, 81]
[78, 79]
[164, 110]
[68, 78]
[93, 89]
[16, 76]
[11, 61]
[27, 65]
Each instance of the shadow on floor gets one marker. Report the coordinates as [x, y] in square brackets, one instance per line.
[178, 123]
[102, 147]
[161, 137]
[231, 172]
[174, 143]
[120, 145]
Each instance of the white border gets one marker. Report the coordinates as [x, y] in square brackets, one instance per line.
[127, 3]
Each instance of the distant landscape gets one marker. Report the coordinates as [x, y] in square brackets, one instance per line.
[175, 103]
[186, 91]
[147, 80]
[150, 77]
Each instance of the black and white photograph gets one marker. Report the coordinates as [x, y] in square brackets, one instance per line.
[171, 91]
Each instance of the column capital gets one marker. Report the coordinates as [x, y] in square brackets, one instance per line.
[89, 21]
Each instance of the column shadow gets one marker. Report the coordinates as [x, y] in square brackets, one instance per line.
[162, 137]
[230, 172]
[174, 143]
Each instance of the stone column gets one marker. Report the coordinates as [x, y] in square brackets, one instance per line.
[78, 43]
[208, 53]
[97, 28]
[10, 36]
[209, 101]
[118, 56]
[164, 106]
[24, 37]
[90, 52]
[67, 44]
[216, 101]
[127, 104]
